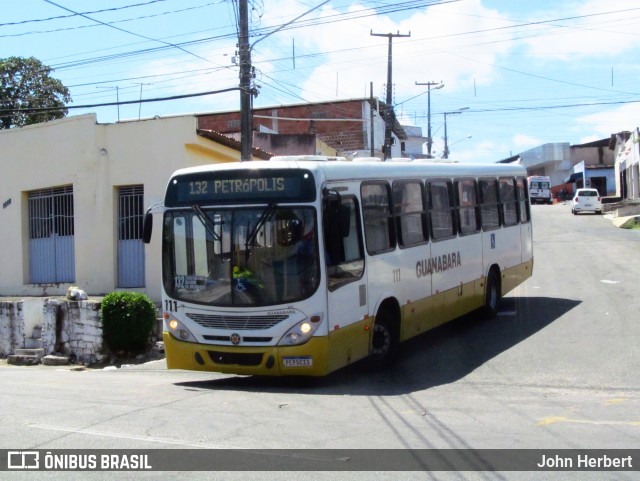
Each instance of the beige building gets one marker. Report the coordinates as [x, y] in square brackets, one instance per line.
[73, 196]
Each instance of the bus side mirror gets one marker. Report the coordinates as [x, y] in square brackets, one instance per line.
[147, 227]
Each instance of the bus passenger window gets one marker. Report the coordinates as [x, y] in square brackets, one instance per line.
[408, 208]
[441, 211]
[467, 207]
[523, 200]
[378, 226]
[509, 203]
[489, 207]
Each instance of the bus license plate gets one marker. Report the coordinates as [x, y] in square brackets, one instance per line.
[297, 361]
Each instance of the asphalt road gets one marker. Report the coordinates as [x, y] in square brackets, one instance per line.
[559, 368]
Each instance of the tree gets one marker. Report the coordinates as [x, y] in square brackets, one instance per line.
[26, 89]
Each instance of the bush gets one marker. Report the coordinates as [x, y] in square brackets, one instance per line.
[127, 321]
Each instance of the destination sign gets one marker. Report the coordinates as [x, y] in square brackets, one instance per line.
[240, 186]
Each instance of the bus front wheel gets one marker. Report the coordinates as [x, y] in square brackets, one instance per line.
[384, 341]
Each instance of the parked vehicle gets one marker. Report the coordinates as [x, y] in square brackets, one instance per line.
[586, 200]
[540, 189]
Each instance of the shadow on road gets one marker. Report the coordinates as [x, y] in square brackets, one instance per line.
[441, 356]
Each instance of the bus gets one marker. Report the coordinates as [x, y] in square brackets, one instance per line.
[301, 265]
[540, 189]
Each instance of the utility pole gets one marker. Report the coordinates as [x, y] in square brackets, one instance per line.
[246, 74]
[436, 86]
[244, 54]
[388, 114]
[371, 126]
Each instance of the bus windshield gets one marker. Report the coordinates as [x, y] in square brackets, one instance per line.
[241, 256]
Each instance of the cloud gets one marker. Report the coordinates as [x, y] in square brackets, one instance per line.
[605, 123]
[607, 28]
[524, 141]
[340, 59]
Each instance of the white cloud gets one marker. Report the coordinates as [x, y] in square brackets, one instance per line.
[594, 34]
[626, 117]
[353, 58]
[524, 142]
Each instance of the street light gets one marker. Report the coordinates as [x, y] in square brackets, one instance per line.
[435, 86]
[446, 147]
[460, 140]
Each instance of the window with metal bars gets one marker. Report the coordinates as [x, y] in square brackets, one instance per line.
[131, 264]
[130, 212]
[51, 212]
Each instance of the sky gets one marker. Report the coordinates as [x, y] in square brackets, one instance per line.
[520, 73]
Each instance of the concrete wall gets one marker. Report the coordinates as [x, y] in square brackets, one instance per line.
[596, 155]
[96, 159]
[11, 327]
[72, 328]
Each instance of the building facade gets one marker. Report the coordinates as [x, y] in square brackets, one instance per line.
[74, 193]
[626, 147]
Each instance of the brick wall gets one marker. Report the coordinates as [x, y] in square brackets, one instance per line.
[342, 136]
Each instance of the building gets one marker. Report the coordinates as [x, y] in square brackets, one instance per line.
[552, 160]
[351, 127]
[626, 147]
[73, 197]
[593, 165]
[412, 147]
[569, 167]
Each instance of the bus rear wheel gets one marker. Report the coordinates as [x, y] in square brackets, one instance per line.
[384, 342]
[492, 295]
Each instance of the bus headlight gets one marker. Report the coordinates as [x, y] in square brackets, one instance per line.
[179, 331]
[301, 332]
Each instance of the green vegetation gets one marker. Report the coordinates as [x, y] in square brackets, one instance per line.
[28, 94]
[127, 321]
[632, 224]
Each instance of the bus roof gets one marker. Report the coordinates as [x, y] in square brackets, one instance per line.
[335, 170]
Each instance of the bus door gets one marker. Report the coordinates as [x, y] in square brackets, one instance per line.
[345, 277]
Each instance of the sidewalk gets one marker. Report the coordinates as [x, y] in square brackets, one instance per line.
[622, 221]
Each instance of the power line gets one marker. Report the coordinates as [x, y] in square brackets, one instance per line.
[143, 17]
[4, 112]
[113, 9]
[127, 31]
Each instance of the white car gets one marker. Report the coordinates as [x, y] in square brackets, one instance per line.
[586, 200]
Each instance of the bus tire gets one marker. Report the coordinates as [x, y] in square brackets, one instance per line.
[492, 295]
[384, 341]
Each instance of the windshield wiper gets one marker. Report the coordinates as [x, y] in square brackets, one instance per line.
[264, 217]
[208, 225]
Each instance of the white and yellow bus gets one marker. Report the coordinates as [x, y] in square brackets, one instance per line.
[302, 265]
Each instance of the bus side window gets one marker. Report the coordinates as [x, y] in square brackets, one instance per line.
[441, 210]
[509, 202]
[409, 212]
[523, 200]
[489, 206]
[467, 204]
[343, 243]
[379, 230]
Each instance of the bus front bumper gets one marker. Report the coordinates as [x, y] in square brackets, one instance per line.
[308, 359]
